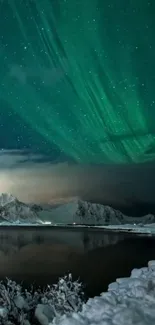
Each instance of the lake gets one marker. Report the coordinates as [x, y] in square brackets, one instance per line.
[40, 255]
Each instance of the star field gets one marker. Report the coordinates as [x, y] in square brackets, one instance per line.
[78, 78]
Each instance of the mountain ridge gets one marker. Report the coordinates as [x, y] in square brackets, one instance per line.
[74, 212]
[14, 211]
[82, 212]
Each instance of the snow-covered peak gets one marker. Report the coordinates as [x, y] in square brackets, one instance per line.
[6, 198]
[104, 214]
[82, 212]
[98, 214]
[75, 211]
[14, 211]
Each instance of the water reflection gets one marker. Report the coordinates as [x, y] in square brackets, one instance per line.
[42, 255]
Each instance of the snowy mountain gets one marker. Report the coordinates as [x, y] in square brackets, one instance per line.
[14, 211]
[74, 212]
[82, 212]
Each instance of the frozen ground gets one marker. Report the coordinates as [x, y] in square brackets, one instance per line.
[148, 229]
[128, 301]
[139, 228]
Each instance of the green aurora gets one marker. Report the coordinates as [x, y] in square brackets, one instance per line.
[82, 74]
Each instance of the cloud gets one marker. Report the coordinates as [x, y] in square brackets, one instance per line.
[32, 179]
[14, 158]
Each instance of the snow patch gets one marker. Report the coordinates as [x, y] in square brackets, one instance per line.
[6, 198]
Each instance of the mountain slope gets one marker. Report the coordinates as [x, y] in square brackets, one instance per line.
[82, 212]
[14, 211]
[74, 212]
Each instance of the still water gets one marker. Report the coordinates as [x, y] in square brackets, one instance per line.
[41, 255]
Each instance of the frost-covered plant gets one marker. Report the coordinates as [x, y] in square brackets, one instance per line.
[13, 307]
[64, 297]
[18, 305]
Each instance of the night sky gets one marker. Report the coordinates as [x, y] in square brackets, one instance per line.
[77, 83]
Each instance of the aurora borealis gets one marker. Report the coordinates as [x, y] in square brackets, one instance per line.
[78, 78]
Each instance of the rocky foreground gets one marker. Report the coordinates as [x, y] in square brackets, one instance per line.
[128, 301]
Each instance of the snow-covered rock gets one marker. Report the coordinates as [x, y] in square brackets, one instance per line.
[129, 301]
[14, 211]
[6, 198]
[83, 212]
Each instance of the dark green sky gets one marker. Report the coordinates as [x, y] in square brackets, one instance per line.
[77, 79]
